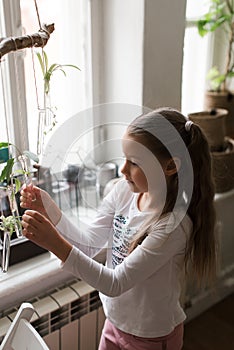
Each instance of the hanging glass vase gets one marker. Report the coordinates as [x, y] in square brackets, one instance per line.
[48, 111]
[24, 162]
[46, 122]
[14, 209]
[40, 131]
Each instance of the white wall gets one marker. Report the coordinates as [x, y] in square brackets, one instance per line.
[163, 52]
[140, 51]
[117, 41]
[137, 53]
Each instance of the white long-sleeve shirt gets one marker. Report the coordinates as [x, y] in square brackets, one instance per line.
[139, 291]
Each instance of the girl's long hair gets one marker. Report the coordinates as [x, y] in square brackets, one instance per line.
[201, 251]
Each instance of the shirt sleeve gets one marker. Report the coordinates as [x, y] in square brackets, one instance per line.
[155, 251]
[91, 238]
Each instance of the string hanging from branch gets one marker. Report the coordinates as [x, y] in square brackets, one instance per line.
[38, 39]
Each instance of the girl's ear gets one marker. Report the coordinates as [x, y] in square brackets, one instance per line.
[172, 166]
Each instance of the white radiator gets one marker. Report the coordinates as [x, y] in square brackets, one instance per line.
[69, 318]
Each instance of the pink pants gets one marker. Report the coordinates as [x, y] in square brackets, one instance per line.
[114, 339]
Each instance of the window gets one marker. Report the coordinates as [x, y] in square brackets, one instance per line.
[196, 58]
[2, 113]
[69, 44]
[4, 81]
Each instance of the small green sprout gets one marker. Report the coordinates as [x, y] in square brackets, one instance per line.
[9, 223]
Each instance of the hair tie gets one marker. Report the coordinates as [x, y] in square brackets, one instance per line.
[188, 125]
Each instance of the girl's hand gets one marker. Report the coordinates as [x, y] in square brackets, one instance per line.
[41, 231]
[37, 199]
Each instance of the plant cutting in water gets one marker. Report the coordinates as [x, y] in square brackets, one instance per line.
[47, 115]
[8, 223]
[48, 70]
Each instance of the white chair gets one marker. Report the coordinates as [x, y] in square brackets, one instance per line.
[21, 335]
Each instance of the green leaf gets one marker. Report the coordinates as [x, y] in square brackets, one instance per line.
[70, 65]
[213, 73]
[48, 72]
[45, 60]
[217, 23]
[230, 74]
[201, 25]
[7, 170]
[41, 62]
[4, 144]
[53, 67]
[17, 185]
[218, 14]
[9, 223]
[216, 78]
[61, 70]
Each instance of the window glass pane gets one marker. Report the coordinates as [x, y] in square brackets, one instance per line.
[3, 133]
[194, 71]
[195, 60]
[196, 8]
[67, 45]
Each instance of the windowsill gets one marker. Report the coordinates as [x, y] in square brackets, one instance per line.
[31, 278]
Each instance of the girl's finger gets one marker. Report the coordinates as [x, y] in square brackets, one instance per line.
[35, 215]
[27, 234]
[29, 223]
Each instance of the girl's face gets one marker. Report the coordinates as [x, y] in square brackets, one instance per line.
[141, 169]
[134, 175]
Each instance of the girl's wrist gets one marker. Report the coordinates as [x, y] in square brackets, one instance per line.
[61, 249]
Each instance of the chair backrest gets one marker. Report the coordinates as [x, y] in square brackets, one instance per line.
[21, 335]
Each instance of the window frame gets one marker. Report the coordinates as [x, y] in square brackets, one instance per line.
[13, 79]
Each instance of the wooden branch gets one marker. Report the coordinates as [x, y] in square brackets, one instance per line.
[38, 39]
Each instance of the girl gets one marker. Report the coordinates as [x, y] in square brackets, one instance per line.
[155, 221]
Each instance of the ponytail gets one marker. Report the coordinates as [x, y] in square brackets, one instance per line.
[202, 245]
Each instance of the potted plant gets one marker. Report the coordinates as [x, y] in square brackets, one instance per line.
[212, 122]
[221, 17]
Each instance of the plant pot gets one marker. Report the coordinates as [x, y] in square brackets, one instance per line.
[4, 154]
[223, 167]
[212, 123]
[222, 100]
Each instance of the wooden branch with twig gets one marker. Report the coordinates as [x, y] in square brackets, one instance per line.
[38, 39]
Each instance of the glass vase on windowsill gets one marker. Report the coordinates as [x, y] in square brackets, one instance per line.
[8, 225]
